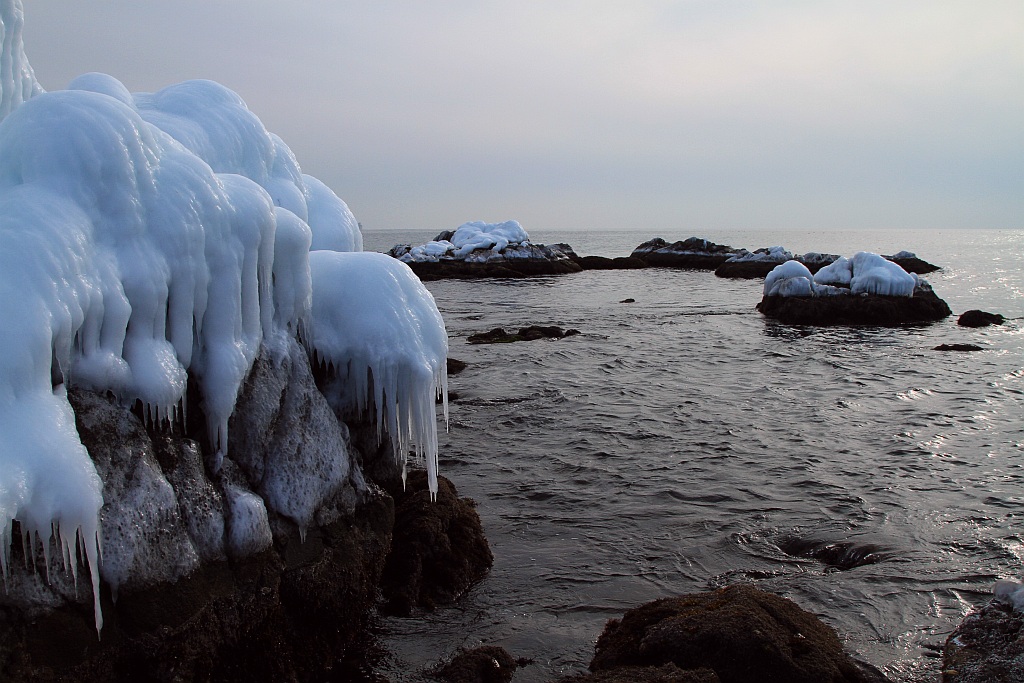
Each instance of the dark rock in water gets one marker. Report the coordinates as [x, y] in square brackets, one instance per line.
[987, 646]
[604, 263]
[666, 673]
[484, 664]
[694, 253]
[757, 264]
[841, 555]
[628, 301]
[499, 335]
[976, 318]
[438, 550]
[515, 261]
[958, 347]
[455, 366]
[911, 263]
[743, 634]
[856, 309]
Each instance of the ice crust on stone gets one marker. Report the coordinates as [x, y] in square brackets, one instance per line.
[145, 238]
[471, 237]
[377, 331]
[1010, 593]
[865, 273]
[767, 254]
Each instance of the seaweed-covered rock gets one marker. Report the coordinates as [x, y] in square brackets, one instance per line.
[694, 253]
[976, 318]
[484, 664]
[438, 550]
[743, 634]
[986, 647]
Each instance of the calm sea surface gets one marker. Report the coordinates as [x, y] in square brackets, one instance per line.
[677, 442]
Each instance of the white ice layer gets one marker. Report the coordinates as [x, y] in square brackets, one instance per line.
[1010, 593]
[768, 254]
[470, 237]
[379, 330]
[865, 273]
[143, 237]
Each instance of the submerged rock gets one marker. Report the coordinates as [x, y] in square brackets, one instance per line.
[976, 318]
[741, 633]
[842, 555]
[438, 551]
[499, 335]
[694, 253]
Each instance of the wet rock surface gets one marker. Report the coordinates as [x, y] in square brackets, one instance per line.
[862, 309]
[739, 632]
[692, 253]
[987, 647]
[976, 318]
[438, 550]
[484, 664]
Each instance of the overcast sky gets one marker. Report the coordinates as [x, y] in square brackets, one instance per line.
[692, 114]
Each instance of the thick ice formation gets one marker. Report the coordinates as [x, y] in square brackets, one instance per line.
[1010, 593]
[767, 254]
[147, 237]
[865, 273]
[470, 237]
[378, 330]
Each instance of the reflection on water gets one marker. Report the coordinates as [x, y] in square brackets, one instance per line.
[672, 448]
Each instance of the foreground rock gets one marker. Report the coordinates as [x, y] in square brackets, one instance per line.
[498, 335]
[694, 253]
[484, 664]
[438, 550]
[739, 633]
[976, 318]
[254, 572]
[987, 646]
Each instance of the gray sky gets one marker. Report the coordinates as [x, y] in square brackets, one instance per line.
[692, 114]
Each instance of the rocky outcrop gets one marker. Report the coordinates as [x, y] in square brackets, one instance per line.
[605, 263]
[976, 318]
[249, 572]
[484, 664]
[987, 646]
[857, 309]
[757, 264]
[514, 261]
[693, 253]
[910, 262]
[499, 335]
[438, 550]
[740, 633]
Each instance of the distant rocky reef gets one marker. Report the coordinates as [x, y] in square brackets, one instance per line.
[693, 253]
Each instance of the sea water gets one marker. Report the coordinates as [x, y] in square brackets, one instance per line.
[683, 440]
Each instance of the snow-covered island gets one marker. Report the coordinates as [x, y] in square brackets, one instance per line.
[866, 289]
[479, 249]
[203, 380]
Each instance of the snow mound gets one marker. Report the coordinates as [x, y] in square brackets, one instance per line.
[377, 330]
[1010, 593]
[865, 273]
[471, 237]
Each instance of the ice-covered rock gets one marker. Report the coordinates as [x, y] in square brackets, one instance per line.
[694, 253]
[872, 274]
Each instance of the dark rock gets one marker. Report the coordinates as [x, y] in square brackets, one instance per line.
[484, 664]
[499, 335]
[860, 309]
[604, 263]
[976, 318]
[987, 646]
[438, 549]
[515, 261]
[628, 301]
[912, 264]
[666, 673]
[741, 633]
[958, 347]
[745, 266]
[455, 366]
[694, 253]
